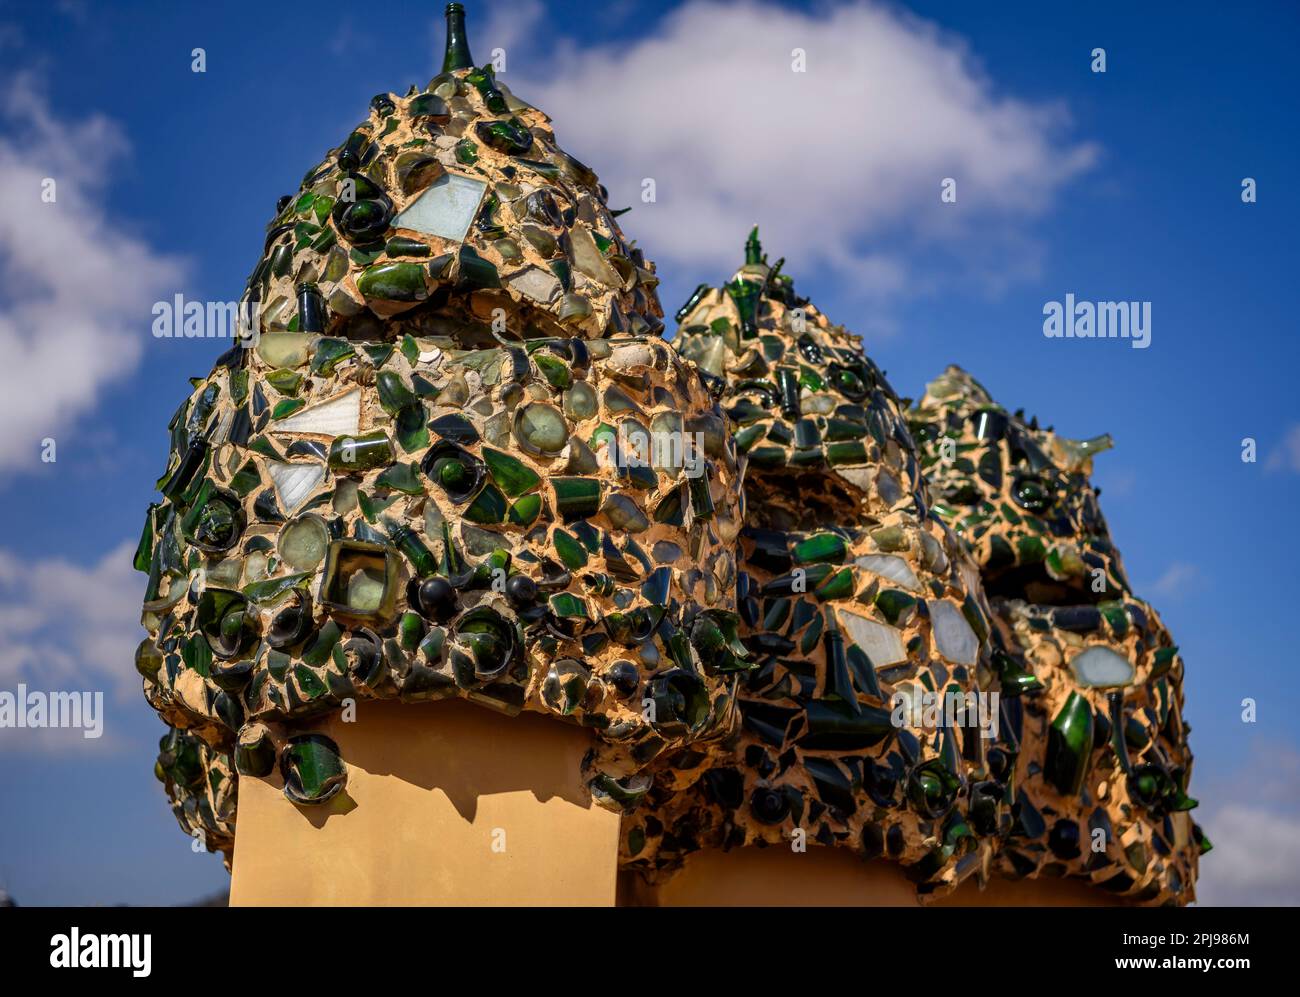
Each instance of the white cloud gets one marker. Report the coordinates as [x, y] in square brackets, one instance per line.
[66, 627]
[509, 28]
[1177, 579]
[840, 165]
[1287, 456]
[76, 289]
[1251, 816]
[1255, 861]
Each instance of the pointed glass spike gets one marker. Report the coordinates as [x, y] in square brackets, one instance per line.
[1203, 843]
[1078, 453]
[864, 674]
[813, 634]
[456, 55]
[838, 686]
[446, 209]
[696, 296]
[338, 416]
[669, 509]
[1115, 700]
[294, 482]
[1069, 746]
[144, 551]
[1164, 660]
[452, 566]
[753, 248]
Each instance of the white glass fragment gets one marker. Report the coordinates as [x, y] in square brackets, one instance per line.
[338, 416]
[294, 482]
[883, 644]
[891, 567]
[445, 209]
[952, 634]
[1100, 666]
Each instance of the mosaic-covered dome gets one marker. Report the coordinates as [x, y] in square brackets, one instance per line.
[1093, 678]
[1103, 767]
[851, 593]
[453, 211]
[456, 462]
[809, 408]
[1019, 495]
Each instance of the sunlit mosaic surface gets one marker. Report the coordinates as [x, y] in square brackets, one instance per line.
[1103, 763]
[457, 463]
[446, 469]
[850, 593]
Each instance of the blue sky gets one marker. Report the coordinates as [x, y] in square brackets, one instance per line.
[1122, 185]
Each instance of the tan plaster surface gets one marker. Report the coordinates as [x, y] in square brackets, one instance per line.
[428, 787]
[832, 877]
